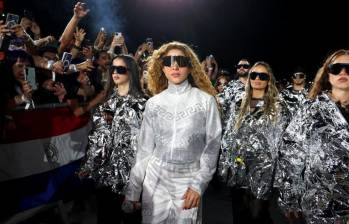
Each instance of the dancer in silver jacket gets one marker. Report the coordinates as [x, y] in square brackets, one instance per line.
[179, 139]
[112, 142]
[295, 94]
[315, 155]
[250, 145]
[233, 92]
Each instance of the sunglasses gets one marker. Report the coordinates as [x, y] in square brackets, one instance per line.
[336, 68]
[299, 75]
[262, 76]
[245, 66]
[182, 61]
[121, 70]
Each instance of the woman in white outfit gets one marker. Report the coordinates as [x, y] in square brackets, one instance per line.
[179, 139]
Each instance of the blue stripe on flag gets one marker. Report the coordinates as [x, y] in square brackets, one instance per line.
[25, 193]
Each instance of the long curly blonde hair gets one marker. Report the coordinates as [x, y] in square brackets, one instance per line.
[157, 81]
[270, 98]
[321, 81]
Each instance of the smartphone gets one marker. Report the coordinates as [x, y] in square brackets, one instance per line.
[31, 77]
[11, 20]
[66, 59]
[84, 6]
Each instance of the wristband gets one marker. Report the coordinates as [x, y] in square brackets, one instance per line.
[50, 64]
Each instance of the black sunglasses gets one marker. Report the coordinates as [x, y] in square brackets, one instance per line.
[121, 70]
[299, 75]
[245, 66]
[262, 76]
[182, 61]
[336, 68]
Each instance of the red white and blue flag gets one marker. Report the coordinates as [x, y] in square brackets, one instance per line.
[39, 158]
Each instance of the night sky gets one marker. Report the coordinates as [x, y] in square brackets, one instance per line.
[285, 34]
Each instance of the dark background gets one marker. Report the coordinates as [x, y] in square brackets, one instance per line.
[286, 34]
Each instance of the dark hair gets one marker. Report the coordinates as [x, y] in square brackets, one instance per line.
[135, 88]
[224, 72]
[99, 53]
[244, 59]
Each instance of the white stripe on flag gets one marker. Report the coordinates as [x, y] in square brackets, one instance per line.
[40, 155]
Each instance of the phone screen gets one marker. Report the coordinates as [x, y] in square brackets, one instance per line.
[66, 59]
[31, 77]
[12, 20]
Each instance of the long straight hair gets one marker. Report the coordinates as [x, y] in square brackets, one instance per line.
[135, 88]
[321, 81]
[270, 97]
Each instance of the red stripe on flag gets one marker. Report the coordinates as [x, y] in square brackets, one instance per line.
[44, 123]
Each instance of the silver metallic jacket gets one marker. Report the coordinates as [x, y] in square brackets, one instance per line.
[112, 147]
[249, 154]
[182, 129]
[232, 92]
[293, 99]
[315, 163]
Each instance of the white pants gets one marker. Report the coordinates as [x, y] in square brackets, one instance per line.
[162, 196]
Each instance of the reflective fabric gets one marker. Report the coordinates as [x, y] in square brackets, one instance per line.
[314, 163]
[182, 130]
[232, 93]
[111, 148]
[293, 99]
[249, 153]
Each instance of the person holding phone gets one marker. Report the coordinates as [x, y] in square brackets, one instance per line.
[144, 51]
[179, 139]
[15, 86]
[113, 139]
[14, 89]
[118, 45]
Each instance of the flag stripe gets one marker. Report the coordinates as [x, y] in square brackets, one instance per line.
[44, 123]
[40, 155]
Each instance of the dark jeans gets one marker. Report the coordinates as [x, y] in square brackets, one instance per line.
[109, 208]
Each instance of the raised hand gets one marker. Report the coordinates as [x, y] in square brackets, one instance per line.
[79, 36]
[18, 30]
[101, 39]
[35, 28]
[27, 89]
[118, 40]
[58, 67]
[4, 30]
[87, 52]
[85, 66]
[80, 11]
